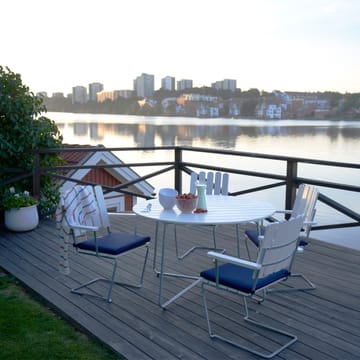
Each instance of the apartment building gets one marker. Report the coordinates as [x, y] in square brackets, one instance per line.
[79, 95]
[144, 85]
[226, 84]
[94, 88]
[184, 84]
[104, 95]
[168, 83]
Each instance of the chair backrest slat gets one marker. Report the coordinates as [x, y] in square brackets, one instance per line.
[102, 206]
[209, 183]
[300, 202]
[279, 245]
[305, 203]
[225, 184]
[216, 184]
[193, 180]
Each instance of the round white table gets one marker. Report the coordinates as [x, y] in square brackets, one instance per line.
[221, 210]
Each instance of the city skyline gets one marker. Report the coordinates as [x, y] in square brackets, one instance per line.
[265, 44]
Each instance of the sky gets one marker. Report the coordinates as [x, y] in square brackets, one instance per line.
[288, 45]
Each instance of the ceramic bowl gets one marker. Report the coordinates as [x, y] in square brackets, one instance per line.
[167, 198]
[186, 205]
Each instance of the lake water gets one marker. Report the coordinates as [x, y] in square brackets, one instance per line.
[324, 140]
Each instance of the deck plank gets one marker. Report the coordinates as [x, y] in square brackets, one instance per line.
[326, 320]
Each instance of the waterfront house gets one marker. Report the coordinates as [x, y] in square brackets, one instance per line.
[107, 177]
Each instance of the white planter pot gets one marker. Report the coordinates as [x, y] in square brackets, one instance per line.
[23, 219]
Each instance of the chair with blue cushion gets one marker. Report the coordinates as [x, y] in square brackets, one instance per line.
[92, 235]
[248, 278]
[216, 184]
[305, 203]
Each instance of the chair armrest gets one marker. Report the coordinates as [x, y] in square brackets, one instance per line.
[283, 211]
[234, 260]
[309, 223]
[84, 227]
[122, 214]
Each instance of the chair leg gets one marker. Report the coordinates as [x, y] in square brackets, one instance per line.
[190, 250]
[311, 285]
[78, 291]
[267, 355]
[111, 282]
[247, 247]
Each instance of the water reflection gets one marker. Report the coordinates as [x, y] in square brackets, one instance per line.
[293, 137]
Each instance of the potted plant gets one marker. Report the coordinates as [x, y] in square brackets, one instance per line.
[21, 213]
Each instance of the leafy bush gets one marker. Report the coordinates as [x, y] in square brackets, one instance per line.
[23, 128]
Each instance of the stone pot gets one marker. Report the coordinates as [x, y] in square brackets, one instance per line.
[23, 219]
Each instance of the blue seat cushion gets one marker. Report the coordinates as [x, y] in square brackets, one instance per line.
[302, 241]
[114, 243]
[252, 234]
[240, 278]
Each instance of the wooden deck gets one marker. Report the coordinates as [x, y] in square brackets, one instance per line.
[326, 320]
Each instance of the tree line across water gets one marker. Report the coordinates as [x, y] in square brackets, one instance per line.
[339, 106]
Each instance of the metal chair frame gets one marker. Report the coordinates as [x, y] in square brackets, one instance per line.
[305, 203]
[216, 184]
[276, 254]
[101, 222]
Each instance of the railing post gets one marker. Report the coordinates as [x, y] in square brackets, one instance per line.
[178, 177]
[36, 176]
[290, 192]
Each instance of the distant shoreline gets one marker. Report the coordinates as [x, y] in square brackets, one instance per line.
[208, 118]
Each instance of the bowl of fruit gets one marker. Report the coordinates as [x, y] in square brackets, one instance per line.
[186, 203]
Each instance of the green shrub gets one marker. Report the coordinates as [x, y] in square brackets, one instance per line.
[23, 128]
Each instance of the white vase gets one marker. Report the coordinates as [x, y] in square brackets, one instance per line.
[23, 219]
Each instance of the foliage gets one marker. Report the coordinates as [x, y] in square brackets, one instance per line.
[24, 128]
[31, 331]
[17, 200]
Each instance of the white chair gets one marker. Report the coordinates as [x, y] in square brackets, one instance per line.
[239, 276]
[305, 203]
[216, 184]
[84, 218]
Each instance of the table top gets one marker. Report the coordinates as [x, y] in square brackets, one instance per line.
[221, 210]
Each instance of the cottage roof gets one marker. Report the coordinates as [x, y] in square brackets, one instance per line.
[103, 176]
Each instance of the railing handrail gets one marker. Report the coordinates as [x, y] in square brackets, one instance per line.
[290, 179]
[199, 149]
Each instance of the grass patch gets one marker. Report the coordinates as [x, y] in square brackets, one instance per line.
[29, 330]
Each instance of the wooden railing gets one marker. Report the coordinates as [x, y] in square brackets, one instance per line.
[180, 168]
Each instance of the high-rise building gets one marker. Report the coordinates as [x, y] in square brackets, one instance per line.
[94, 88]
[226, 84]
[229, 84]
[58, 95]
[144, 85]
[168, 83]
[184, 84]
[79, 95]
